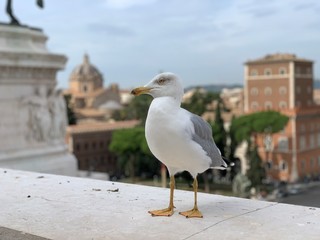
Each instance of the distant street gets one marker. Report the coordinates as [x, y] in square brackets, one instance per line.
[309, 197]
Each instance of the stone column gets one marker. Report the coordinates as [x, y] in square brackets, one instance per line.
[32, 111]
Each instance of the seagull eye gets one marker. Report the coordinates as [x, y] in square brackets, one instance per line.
[161, 81]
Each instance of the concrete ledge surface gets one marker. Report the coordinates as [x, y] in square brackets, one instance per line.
[60, 207]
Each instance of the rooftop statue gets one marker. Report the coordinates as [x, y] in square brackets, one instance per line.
[14, 20]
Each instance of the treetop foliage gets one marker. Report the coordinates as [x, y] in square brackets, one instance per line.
[197, 104]
[129, 141]
[258, 122]
[137, 109]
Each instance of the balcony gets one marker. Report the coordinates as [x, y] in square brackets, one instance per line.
[38, 206]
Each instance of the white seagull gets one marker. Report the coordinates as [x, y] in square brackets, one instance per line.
[179, 139]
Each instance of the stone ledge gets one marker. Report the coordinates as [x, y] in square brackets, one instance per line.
[60, 207]
[10, 234]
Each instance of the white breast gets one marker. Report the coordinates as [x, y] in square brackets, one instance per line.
[169, 137]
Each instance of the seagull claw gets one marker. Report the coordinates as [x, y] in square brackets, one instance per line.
[167, 212]
[193, 213]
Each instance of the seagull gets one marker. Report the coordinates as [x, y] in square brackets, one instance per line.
[181, 140]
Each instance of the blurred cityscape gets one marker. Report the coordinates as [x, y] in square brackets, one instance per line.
[287, 158]
[268, 126]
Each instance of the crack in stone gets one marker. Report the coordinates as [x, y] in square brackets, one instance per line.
[51, 200]
[227, 219]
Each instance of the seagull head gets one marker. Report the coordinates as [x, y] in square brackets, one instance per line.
[162, 85]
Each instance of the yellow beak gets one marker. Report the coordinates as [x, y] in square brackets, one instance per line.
[140, 90]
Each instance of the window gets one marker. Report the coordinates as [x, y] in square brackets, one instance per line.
[269, 165]
[267, 71]
[282, 71]
[254, 91]
[283, 144]
[78, 147]
[302, 143]
[311, 139]
[268, 105]
[282, 90]
[283, 166]
[85, 88]
[253, 72]
[267, 91]
[282, 105]
[302, 128]
[254, 105]
[297, 70]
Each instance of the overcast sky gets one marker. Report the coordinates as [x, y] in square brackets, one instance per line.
[203, 41]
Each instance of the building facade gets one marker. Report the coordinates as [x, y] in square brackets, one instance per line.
[284, 82]
[89, 142]
[91, 101]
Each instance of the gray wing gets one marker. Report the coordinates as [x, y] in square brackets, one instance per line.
[203, 136]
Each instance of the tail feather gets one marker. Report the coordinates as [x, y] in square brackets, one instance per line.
[226, 163]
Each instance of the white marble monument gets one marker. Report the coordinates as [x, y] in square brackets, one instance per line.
[32, 111]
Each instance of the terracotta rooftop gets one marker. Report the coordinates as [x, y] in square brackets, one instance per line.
[278, 57]
[101, 126]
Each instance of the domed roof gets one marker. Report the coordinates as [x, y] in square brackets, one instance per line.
[85, 71]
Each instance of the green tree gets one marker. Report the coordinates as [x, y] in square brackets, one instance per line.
[72, 120]
[256, 173]
[132, 150]
[218, 131]
[197, 104]
[253, 124]
[233, 141]
[258, 123]
[230, 151]
[137, 109]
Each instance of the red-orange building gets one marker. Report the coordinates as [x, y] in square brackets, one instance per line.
[284, 82]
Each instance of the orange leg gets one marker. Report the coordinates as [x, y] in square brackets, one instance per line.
[194, 212]
[169, 210]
